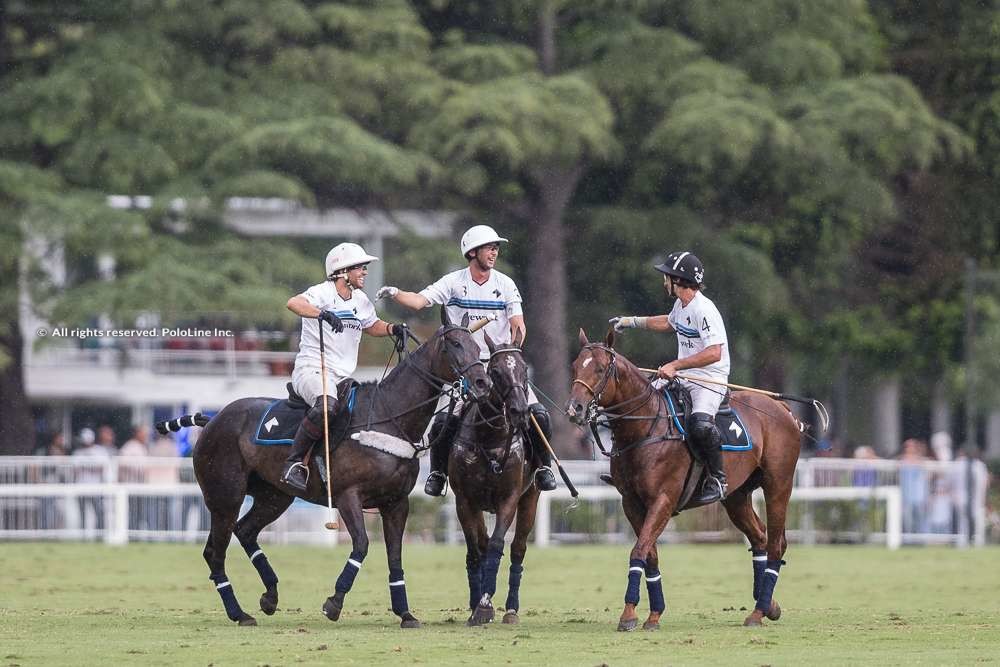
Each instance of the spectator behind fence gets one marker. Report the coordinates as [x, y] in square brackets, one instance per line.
[865, 476]
[135, 447]
[914, 485]
[51, 510]
[106, 439]
[162, 508]
[139, 507]
[91, 472]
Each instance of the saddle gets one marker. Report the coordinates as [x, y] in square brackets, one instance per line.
[735, 436]
[278, 424]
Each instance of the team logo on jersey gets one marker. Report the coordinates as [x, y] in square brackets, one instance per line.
[465, 290]
[496, 293]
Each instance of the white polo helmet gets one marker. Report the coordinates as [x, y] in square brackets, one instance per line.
[345, 255]
[479, 235]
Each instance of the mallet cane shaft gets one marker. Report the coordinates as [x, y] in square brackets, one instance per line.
[481, 323]
[824, 416]
[332, 523]
[562, 473]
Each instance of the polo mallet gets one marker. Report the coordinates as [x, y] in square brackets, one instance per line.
[332, 523]
[824, 416]
[562, 473]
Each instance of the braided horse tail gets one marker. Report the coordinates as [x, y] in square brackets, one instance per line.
[174, 425]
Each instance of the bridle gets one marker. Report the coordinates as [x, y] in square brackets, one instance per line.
[622, 411]
[501, 420]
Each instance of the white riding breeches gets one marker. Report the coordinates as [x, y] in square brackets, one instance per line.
[705, 398]
[308, 383]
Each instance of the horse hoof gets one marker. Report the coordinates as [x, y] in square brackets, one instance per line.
[774, 613]
[332, 609]
[511, 618]
[651, 625]
[481, 616]
[269, 602]
[409, 622]
[754, 619]
[628, 626]
[247, 621]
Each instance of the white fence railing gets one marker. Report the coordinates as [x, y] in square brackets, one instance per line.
[118, 500]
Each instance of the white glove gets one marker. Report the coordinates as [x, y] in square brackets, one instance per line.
[623, 322]
[386, 291]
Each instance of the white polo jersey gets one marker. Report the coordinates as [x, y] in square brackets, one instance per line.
[699, 325]
[460, 294]
[356, 313]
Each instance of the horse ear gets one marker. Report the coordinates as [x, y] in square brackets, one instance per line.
[518, 339]
[489, 343]
[445, 320]
[583, 338]
[465, 320]
[609, 340]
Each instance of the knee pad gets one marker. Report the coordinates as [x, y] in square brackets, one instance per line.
[541, 415]
[446, 424]
[703, 430]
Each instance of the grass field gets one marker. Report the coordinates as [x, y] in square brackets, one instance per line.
[153, 604]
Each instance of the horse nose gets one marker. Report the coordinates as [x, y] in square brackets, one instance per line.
[481, 386]
[573, 410]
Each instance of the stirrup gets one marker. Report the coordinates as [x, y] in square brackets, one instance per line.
[436, 484]
[286, 477]
[712, 490]
[545, 479]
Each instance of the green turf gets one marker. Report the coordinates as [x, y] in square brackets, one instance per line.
[153, 604]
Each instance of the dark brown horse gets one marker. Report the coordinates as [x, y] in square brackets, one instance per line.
[229, 466]
[649, 469]
[490, 471]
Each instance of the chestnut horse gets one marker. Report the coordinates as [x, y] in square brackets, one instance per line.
[649, 467]
[491, 471]
[229, 466]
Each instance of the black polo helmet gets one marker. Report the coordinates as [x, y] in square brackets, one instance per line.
[685, 266]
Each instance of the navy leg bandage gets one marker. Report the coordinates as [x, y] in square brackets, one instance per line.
[491, 566]
[351, 569]
[654, 587]
[475, 573]
[225, 590]
[259, 561]
[768, 581]
[759, 563]
[514, 587]
[397, 592]
[636, 567]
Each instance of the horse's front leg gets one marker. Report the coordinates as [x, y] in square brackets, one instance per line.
[484, 612]
[474, 529]
[352, 516]
[393, 524]
[526, 508]
[654, 520]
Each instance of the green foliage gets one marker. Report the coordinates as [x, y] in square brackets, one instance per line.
[498, 128]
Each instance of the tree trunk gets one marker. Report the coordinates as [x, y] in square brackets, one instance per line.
[17, 431]
[547, 38]
[887, 435]
[548, 346]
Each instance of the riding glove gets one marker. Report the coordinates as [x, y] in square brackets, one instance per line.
[331, 318]
[386, 291]
[623, 322]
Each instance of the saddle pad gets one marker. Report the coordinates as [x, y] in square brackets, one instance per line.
[734, 433]
[278, 424]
